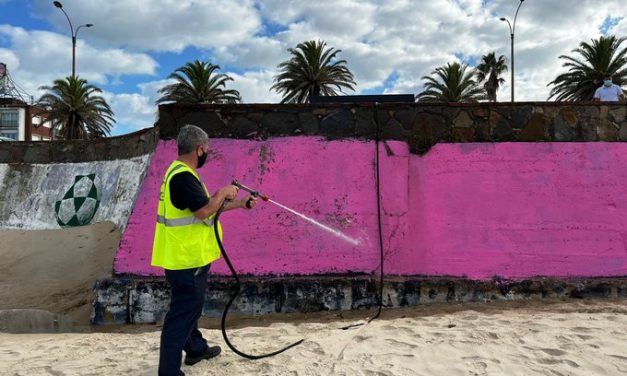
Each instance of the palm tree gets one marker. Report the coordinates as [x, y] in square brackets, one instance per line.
[312, 70]
[453, 83]
[197, 82]
[585, 72]
[75, 110]
[490, 70]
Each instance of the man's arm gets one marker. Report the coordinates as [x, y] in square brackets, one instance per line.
[225, 193]
[596, 97]
[188, 193]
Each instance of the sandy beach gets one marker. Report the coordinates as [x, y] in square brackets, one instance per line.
[570, 337]
[575, 337]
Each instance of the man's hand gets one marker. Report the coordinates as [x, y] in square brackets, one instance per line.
[250, 202]
[229, 192]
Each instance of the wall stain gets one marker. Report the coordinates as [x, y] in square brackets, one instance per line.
[266, 156]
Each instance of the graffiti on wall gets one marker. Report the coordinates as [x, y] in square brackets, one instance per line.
[79, 204]
[46, 196]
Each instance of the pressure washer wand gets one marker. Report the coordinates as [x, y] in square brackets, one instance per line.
[250, 190]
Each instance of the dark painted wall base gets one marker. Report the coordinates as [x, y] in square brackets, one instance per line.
[141, 301]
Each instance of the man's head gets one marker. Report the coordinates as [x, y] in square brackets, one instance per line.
[194, 143]
[607, 80]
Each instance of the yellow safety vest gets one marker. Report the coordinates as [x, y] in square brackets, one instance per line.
[182, 241]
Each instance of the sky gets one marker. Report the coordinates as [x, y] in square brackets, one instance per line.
[389, 45]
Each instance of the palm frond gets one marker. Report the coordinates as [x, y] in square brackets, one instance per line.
[75, 109]
[451, 83]
[585, 71]
[312, 70]
[197, 82]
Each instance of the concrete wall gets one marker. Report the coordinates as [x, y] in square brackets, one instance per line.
[71, 183]
[467, 206]
[475, 210]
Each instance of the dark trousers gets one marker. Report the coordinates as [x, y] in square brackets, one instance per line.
[180, 327]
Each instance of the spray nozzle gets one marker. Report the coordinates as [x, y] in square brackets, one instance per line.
[250, 190]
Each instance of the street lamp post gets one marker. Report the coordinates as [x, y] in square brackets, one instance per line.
[74, 34]
[512, 30]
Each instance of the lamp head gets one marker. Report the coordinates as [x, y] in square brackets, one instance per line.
[89, 25]
[502, 19]
[57, 4]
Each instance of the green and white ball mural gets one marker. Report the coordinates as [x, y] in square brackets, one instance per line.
[79, 204]
[66, 195]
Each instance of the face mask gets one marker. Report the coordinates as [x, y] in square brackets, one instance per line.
[202, 159]
[607, 83]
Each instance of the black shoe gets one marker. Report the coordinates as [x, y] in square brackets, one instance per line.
[211, 352]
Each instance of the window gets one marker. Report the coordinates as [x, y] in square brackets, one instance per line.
[8, 121]
[11, 135]
[9, 124]
[36, 137]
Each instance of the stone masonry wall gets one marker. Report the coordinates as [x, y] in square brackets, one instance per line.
[76, 151]
[420, 125]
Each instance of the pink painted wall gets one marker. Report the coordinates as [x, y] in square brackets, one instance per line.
[477, 210]
[328, 181]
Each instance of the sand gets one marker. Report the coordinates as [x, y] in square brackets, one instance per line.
[47, 275]
[55, 270]
[576, 337]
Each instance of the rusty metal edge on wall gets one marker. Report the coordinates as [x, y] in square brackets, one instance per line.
[76, 151]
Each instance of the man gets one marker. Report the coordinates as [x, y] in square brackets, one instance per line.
[608, 92]
[185, 245]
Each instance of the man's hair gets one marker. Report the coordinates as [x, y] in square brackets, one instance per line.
[190, 137]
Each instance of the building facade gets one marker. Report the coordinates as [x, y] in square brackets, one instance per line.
[20, 121]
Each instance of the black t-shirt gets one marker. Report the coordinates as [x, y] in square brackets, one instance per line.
[187, 192]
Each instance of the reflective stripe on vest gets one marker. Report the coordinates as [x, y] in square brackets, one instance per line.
[183, 221]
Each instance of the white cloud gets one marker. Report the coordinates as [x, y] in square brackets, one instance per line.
[132, 111]
[621, 27]
[167, 25]
[378, 38]
[258, 52]
[37, 58]
[151, 89]
[254, 86]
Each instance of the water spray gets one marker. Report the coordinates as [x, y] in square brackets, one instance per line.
[265, 198]
[257, 194]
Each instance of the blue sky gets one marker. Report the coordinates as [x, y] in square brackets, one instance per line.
[389, 45]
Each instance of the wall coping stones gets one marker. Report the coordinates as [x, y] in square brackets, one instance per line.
[421, 125]
[76, 151]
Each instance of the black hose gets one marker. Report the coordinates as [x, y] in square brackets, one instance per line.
[380, 226]
[237, 288]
